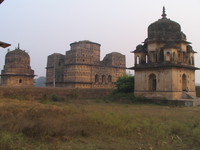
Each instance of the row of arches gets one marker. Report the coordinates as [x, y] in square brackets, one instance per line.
[103, 79]
[139, 60]
[185, 59]
[153, 82]
[159, 57]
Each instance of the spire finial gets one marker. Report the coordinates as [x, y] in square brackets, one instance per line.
[164, 14]
[18, 46]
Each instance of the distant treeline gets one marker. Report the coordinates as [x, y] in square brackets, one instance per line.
[40, 82]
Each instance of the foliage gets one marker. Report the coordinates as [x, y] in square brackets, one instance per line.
[124, 90]
[120, 97]
[40, 82]
[125, 84]
[56, 98]
[45, 98]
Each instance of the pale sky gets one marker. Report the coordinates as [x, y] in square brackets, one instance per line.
[43, 27]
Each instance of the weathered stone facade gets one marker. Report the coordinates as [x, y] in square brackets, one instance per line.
[17, 70]
[81, 67]
[164, 64]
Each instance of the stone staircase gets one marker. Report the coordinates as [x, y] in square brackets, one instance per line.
[187, 95]
[190, 100]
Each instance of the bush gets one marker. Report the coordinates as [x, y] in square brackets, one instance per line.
[124, 90]
[56, 98]
[121, 96]
[125, 84]
[45, 98]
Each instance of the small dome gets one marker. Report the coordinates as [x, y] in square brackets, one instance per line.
[17, 56]
[190, 49]
[139, 47]
[17, 52]
[164, 30]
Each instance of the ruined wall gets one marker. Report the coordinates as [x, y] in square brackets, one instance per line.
[55, 66]
[40, 93]
[83, 69]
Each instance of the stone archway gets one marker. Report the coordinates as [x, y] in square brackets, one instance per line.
[152, 82]
[137, 62]
[20, 81]
[103, 80]
[184, 82]
[109, 79]
[96, 78]
[168, 57]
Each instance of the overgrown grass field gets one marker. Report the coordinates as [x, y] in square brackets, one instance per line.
[96, 125]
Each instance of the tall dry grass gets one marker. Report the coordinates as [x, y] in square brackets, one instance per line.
[86, 124]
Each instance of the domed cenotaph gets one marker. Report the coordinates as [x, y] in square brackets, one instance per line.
[17, 70]
[164, 63]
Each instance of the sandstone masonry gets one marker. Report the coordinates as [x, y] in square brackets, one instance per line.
[81, 67]
[17, 70]
[164, 63]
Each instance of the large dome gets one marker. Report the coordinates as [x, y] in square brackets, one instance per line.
[164, 30]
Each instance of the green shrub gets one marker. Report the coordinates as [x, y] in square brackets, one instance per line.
[6, 140]
[73, 95]
[49, 98]
[125, 84]
[56, 98]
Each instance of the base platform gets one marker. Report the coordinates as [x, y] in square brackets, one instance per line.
[180, 102]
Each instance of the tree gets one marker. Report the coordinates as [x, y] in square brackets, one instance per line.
[125, 84]
[40, 82]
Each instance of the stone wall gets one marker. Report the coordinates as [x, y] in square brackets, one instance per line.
[17, 80]
[37, 93]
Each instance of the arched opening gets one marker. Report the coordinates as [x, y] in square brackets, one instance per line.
[61, 62]
[179, 57]
[184, 82]
[156, 57]
[96, 78]
[153, 57]
[146, 59]
[20, 80]
[109, 79]
[137, 60]
[152, 82]
[184, 57]
[174, 56]
[103, 79]
[168, 56]
[192, 60]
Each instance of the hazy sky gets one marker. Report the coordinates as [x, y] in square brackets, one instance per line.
[43, 27]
